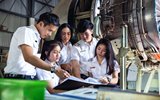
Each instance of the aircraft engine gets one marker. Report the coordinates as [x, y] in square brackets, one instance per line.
[141, 17]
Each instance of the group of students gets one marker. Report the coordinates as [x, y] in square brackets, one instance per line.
[89, 57]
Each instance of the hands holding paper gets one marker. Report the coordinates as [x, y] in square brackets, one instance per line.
[62, 73]
[67, 67]
[105, 80]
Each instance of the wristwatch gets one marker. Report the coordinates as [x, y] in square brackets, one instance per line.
[53, 69]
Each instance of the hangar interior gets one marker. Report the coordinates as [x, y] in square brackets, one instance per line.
[131, 25]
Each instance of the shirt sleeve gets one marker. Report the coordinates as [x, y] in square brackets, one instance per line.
[43, 74]
[25, 36]
[75, 54]
[116, 66]
[47, 75]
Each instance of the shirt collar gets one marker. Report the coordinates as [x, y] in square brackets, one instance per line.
[68, 44]
[95, 60]
[92, 41]
[36, 31]
[47, 61]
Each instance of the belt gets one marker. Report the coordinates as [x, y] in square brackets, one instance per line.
[19, 76]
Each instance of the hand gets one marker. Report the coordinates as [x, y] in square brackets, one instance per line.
[67, 67]
[104, 80]
[62, 73]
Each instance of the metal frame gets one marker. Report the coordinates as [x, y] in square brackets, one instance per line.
[29, 8]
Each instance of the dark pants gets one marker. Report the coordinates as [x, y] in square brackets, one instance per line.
[18, 76]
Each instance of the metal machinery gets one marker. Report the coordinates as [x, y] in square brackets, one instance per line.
[141, 18]
[136, 23]
[131, 25]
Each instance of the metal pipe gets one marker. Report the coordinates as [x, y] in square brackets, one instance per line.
[124, 50]
[31, 21]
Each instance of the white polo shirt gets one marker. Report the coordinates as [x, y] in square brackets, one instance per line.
[15, 62]
[98, 70]
[47, 75]
[83, 52]
[65, 54]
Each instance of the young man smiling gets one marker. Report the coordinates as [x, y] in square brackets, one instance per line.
[84, 49]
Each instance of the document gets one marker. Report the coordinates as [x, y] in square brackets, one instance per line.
[72, 82]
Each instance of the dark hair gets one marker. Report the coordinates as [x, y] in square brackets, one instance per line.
[49, 18]
[110, 56]
[49, 46]
[58, 33]
[84, 25]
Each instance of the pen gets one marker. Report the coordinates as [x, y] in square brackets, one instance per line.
[90, 92]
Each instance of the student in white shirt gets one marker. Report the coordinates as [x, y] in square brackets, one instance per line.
[23, 51]
[104, 66]
[64, 35]
[51, 54]
[84, 49]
